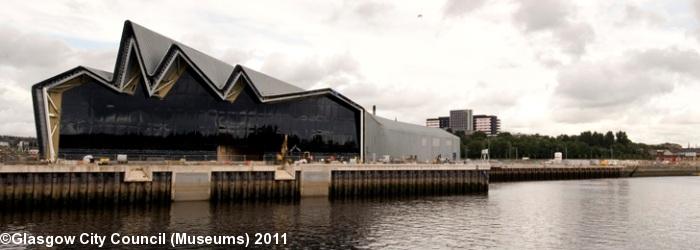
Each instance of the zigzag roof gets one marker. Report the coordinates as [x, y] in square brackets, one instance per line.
[145, 53]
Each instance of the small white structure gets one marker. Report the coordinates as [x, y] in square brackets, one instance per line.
[385, 159]
[557, 157]
[4, 144]
[122, 159]
[87, 159]
[485, 154]
[22, 146]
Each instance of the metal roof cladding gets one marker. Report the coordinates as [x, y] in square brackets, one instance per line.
[155, 54]
[154, 48]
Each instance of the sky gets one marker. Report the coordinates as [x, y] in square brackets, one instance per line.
[543, 66]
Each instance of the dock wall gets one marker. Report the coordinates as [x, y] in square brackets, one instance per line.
[113, 184]
[505, 174]
[660, 170]
[396, 183]
[252, 186]
[79, 188]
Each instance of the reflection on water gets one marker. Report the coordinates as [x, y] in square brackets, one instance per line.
[643, 213]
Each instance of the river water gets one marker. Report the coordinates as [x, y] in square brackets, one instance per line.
[635, 213]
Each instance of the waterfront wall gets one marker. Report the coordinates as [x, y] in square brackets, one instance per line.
[80, 188]
[252, 186]
[115, 184]
[505, 174]
[398, 183]
[660, 170]
[135, 183]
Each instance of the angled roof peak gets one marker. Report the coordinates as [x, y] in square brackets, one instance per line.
[146, 53]
[268, 85]
[154, 47]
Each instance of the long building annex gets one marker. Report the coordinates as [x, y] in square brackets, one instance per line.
[167, 99]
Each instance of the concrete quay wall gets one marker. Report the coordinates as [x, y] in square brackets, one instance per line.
[505, 174]
[661, 170]
[142, 183]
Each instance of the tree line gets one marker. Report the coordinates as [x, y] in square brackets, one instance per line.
[586, 145]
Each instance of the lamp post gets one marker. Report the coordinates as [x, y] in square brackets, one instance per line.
[612, 155]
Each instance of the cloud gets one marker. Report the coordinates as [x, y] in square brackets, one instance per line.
[540, 15]
[673, 59]
[634, 13]
[311, 71]
[590, 90]
[458, 8]
[28, 58]
[235, 56]
[15, 105]
[16, 46]
[555, 17]
[372, 10]
[361, 12]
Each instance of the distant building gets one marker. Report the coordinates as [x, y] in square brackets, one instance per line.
[461, 120]
[442, 122]
[432, 122]
[489, 124]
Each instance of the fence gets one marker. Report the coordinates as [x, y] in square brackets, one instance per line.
[268, 158]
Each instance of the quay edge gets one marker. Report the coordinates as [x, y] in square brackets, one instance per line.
[143, 183]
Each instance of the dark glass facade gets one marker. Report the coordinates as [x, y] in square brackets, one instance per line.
[191, 119]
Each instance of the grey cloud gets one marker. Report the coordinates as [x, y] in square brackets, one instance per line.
[634, 13]
[371, 9]
[669, 59]
[603, 90]
[309, 71]
[21, 50]
[342, 73]
[236, 56]
[457, 8]
[574, 37]
[555, 16]
[15, 110]
[599, 85]
[538, 15]
[28, 58]
[362, 11]
[696, 11]
[493, 97]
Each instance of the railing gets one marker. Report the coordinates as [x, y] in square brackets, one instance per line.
[268, 158]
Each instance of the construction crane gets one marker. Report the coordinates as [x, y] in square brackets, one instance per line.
[282, 155]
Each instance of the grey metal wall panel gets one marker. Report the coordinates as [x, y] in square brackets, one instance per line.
[401, 140]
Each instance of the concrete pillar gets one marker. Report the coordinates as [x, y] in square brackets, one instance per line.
[191, 186]
[315, 182]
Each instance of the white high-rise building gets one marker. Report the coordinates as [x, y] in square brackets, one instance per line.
[489, 124]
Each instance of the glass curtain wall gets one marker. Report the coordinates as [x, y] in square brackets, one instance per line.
[192, 121]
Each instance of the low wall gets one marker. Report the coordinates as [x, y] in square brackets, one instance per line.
[92, 184]
[80, 188]
[499, 174]
[660, 170]
[252, 186]
[351, 184]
